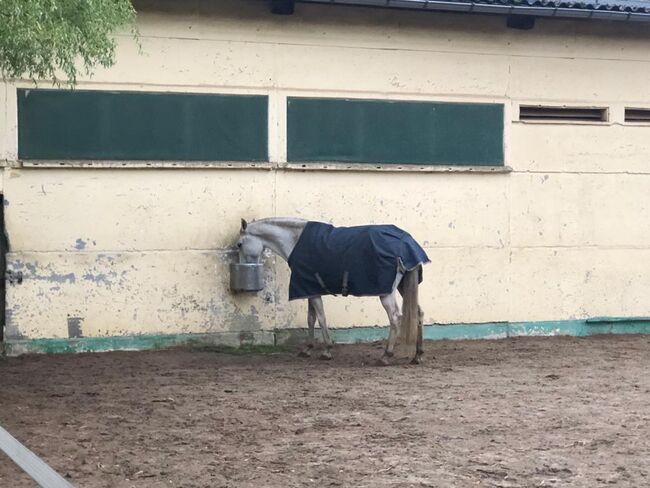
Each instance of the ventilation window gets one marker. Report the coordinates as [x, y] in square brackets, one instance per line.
[562, 114]
[637, 115]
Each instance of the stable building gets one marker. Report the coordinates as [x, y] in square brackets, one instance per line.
[511, 139]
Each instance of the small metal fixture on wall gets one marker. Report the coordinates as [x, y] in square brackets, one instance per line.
[246, 277]
[521, 22]
[282, 7]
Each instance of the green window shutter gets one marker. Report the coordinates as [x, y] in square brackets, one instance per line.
[103, 125]
[399, 132]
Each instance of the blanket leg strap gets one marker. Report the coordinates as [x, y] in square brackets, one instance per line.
[322, 285]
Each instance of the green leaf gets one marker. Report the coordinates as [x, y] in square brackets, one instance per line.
[40, 38]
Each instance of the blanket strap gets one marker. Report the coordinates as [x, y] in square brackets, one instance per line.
[344, 288]
[322, 285]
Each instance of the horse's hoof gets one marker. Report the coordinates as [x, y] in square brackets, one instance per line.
[304, 354]
[417, 360]
[383, 361]
[326, 356]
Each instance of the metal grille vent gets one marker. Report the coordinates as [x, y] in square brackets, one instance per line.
[637, 115]
[562, 114]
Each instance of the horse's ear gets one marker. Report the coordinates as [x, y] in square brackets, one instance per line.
[244, 224]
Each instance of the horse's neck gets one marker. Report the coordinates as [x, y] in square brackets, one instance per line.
[279, 235]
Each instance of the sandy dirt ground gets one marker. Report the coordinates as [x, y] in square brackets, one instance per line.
[528, 412]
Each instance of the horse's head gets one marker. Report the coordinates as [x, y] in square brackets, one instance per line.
[250, 247]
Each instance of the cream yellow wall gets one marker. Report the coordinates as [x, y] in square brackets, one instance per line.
[565, 235]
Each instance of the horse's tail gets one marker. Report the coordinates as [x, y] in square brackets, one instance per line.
[410, 309]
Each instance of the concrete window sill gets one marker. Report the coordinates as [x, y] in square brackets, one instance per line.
[392, 168]
[303, 166]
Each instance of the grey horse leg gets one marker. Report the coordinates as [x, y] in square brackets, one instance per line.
[311, 321]
[320, 315]
[392, 310]
[419, 346]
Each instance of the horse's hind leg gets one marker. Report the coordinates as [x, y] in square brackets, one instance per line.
[320, 315]
[311, 320]
[392, 310]
[419, 346]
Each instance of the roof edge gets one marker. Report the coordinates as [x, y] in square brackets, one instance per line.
[502, 9]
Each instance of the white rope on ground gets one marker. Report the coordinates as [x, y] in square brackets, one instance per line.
[34, 466]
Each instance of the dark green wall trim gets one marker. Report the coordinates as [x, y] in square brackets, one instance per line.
[394, 132]
[138, 342]
[615, 320]
[492, 330]
[129, 125]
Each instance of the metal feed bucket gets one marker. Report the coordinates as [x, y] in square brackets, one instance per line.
[246, 277]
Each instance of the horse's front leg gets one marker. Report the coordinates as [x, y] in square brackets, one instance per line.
[392, 310]
[311, 320]
[320, 315]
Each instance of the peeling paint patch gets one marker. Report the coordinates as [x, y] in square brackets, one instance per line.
[55, 278]
[107, 257]
[99, 278]
[187, 304]
[38, 273]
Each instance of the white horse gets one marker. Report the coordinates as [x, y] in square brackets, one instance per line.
[281, 235]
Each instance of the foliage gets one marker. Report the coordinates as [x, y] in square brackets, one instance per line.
[40, 38]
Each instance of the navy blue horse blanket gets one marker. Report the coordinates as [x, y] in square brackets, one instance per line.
[359, 261]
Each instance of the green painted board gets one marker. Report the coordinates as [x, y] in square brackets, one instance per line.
[495, 330]
[109, 125]
[490, 330]
[395, 132]
[613, 320]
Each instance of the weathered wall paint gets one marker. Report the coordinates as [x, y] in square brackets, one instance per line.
[563, 237]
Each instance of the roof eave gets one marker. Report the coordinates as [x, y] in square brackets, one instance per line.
[484, 8]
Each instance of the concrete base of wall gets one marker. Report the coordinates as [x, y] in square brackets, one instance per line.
[279, 337]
